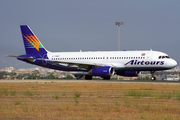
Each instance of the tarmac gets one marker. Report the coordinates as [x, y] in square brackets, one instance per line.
[94, 81]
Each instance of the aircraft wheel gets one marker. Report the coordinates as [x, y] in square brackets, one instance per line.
[107, 78]
[88, 77]
[153, 78]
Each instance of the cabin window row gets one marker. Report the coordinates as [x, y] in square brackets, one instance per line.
[91, 58]
[78, 58]
[127, 57]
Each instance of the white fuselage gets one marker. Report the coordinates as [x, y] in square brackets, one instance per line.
[129, 60]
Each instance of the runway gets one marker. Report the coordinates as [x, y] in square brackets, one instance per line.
[94, 81]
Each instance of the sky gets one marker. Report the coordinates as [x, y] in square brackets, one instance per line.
[89, 25]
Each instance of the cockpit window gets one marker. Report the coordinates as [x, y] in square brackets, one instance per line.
[163, 57]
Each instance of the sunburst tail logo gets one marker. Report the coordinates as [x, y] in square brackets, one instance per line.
[31, 42]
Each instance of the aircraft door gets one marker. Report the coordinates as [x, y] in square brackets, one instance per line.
[149, 56]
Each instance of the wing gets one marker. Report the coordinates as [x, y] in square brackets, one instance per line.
[80, 64]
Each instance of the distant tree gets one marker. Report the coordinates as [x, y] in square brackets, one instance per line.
[31, 76]
[35, 72]
[51, 76]
[68, 76]
[1, 75]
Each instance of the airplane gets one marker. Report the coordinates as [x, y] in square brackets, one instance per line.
[103, 64]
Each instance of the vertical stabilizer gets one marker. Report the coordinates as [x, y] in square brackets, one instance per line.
[31, 43]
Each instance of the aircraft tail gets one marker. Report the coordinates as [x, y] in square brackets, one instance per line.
[31, 43]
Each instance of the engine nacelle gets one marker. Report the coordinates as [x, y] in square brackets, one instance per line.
[128, 73]
[103, 71]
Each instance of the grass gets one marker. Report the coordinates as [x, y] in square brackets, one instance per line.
[89, 101]
[63, 93]
[139, 93]
[76, 97]
[30, 93]
[127, 102]
[176, 94]
[13, 93]
[18, 102]
[56, 96]
[169, 95]
[6, 92]
[77, 94]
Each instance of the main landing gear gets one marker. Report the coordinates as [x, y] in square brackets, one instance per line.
[88, 77]
[107, 78]
[153, 77]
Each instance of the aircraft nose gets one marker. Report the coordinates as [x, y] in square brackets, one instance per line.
[173, 63]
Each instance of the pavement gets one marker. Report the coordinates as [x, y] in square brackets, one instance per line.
[94, 81]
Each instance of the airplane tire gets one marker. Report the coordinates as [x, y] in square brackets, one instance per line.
[88, 77]
[153, 78]
[107, 78]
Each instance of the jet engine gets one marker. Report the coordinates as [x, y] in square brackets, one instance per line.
[103, 71]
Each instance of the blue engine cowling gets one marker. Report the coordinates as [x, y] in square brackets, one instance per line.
[103, 71]
[128, 73]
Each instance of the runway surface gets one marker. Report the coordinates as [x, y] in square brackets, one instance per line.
[95, 81]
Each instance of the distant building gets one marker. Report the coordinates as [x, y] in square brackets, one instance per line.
[8, 69]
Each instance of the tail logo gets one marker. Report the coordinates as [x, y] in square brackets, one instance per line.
[33, 40]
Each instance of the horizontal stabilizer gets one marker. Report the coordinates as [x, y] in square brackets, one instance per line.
[28, 58]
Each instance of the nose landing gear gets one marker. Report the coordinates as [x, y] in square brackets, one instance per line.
[153, 77]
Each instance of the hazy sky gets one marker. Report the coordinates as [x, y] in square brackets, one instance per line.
[89, 25]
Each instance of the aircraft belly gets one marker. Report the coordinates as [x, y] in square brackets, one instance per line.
[145, 68]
